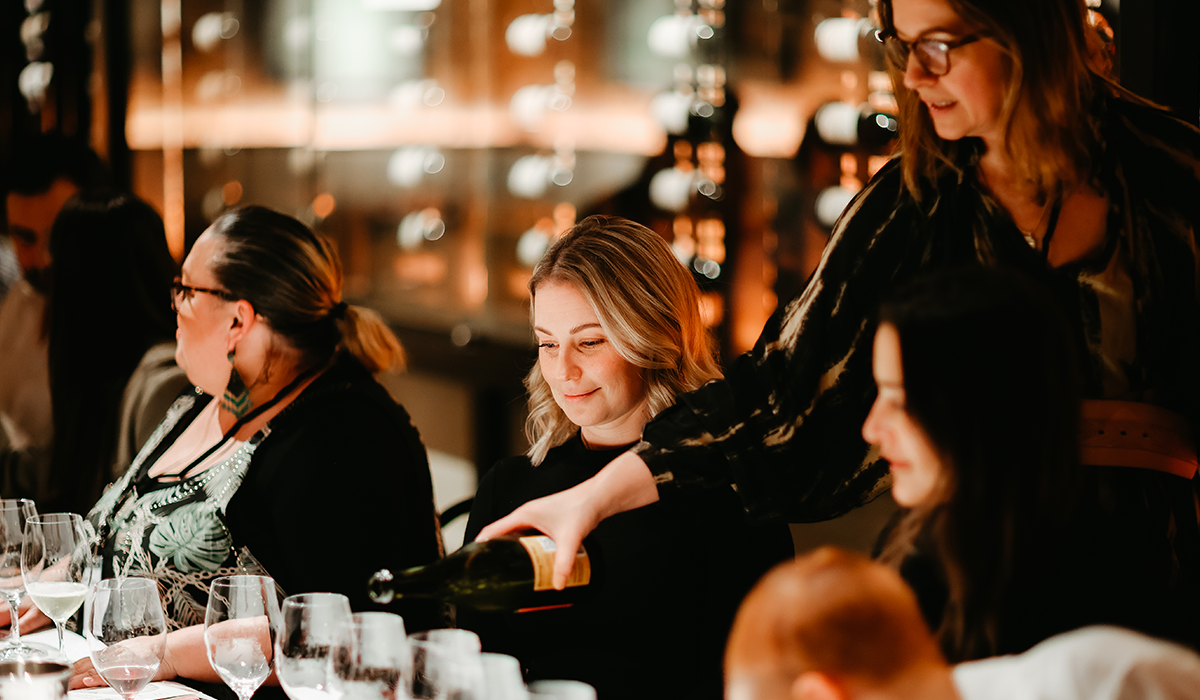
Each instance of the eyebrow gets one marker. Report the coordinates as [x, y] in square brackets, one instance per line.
[573, 331]
[930, 30]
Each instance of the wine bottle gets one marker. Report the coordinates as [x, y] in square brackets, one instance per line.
[512, 573]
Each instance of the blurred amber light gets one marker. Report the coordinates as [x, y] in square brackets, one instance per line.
[323, 204]
[231, 193]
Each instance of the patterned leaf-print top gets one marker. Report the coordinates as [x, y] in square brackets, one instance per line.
[785, 424]
[174, 531]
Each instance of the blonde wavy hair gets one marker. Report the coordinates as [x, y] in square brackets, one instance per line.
[1055, 72]
[648, 305]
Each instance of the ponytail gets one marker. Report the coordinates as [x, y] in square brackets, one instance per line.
[367, 337]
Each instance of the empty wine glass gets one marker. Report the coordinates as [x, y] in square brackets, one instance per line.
[315, 626]
[127, 633]
[240, 627]
[562, 690]
[54, 562]
[445, 665]
[13, 514]
[375, 659]
[502, 678]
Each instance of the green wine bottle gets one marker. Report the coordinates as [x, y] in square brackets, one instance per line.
[511, 573]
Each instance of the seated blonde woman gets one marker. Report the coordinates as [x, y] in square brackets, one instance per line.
[619, 333]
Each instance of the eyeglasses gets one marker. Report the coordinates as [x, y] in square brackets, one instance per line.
[181, 292]
[933, 55]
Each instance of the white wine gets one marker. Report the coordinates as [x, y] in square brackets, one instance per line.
[127, 680]
[507, 573]
[58, 599]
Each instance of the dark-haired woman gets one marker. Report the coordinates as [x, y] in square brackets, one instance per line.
[1003, 540]
[288, 458]
[110, 246]
[1016, 153]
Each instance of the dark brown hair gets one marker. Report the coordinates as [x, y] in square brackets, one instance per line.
[990, 375]
[293, 278]
[1054, 77]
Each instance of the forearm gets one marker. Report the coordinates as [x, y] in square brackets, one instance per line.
[187, 656]
[624, 484]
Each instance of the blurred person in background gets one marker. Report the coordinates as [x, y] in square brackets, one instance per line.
[619, 333]
[1016, 152]
[836, 626]
[44, 173]
[110, 323]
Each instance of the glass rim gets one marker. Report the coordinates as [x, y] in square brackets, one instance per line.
[312, 599]
[122, 581]
[239, 580]
[49, 518]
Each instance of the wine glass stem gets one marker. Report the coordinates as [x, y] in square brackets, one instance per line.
[59, 626]
[14, 610]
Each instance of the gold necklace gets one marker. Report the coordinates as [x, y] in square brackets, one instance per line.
[1029, 235]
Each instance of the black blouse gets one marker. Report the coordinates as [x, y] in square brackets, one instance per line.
[674, 574]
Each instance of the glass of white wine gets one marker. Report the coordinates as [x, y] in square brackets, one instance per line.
[375, 659]
[127, 633]
[240, 627]
[54, 561]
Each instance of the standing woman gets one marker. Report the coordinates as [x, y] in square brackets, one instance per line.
[109, 304]
[619, 334]
[1015, 153]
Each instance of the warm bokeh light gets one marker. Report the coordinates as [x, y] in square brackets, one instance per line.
[231, 193]
[712, 308]
[323, 204]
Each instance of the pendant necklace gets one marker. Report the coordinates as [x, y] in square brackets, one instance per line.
[1029, 235]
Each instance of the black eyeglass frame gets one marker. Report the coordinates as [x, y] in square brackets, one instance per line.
[903, 49]
[178, 288]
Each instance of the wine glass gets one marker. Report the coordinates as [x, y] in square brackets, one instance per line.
[13, 514]
[54, 561]
[562, 690]
[375, 658]
[127, 633]
[502, 678]
[240, 626]
[315, 625]
[445, 665]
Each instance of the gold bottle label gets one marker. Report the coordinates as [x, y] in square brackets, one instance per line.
[541, 552]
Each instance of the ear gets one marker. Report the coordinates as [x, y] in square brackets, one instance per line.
[243, 321]
[814, 685]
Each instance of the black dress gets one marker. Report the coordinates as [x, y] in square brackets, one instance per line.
[334, 487]
[674, 574]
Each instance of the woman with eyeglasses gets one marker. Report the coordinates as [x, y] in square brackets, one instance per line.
[1017, 152]
[288, 458]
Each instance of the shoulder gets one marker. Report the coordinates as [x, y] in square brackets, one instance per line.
[1147, 130]
[1084, 663]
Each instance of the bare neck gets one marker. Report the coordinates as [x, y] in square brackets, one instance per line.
[928, 681]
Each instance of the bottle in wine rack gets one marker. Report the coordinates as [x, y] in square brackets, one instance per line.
[512, 573]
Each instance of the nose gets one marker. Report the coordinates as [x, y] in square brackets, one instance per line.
[566, 365]
[915, 75]
[872, 430]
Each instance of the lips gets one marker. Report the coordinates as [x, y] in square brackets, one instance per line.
[577, 397]
[940, 107]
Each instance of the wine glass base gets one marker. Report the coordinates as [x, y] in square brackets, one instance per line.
[29, 651]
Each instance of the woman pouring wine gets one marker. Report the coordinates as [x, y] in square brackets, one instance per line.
[619, 333]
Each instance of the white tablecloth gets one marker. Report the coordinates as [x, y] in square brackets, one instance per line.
[76, 647]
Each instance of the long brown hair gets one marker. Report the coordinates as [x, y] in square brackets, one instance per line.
[648, 305]
[1054, 76]
[293, 278]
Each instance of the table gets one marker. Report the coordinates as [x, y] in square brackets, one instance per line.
[76, 647]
